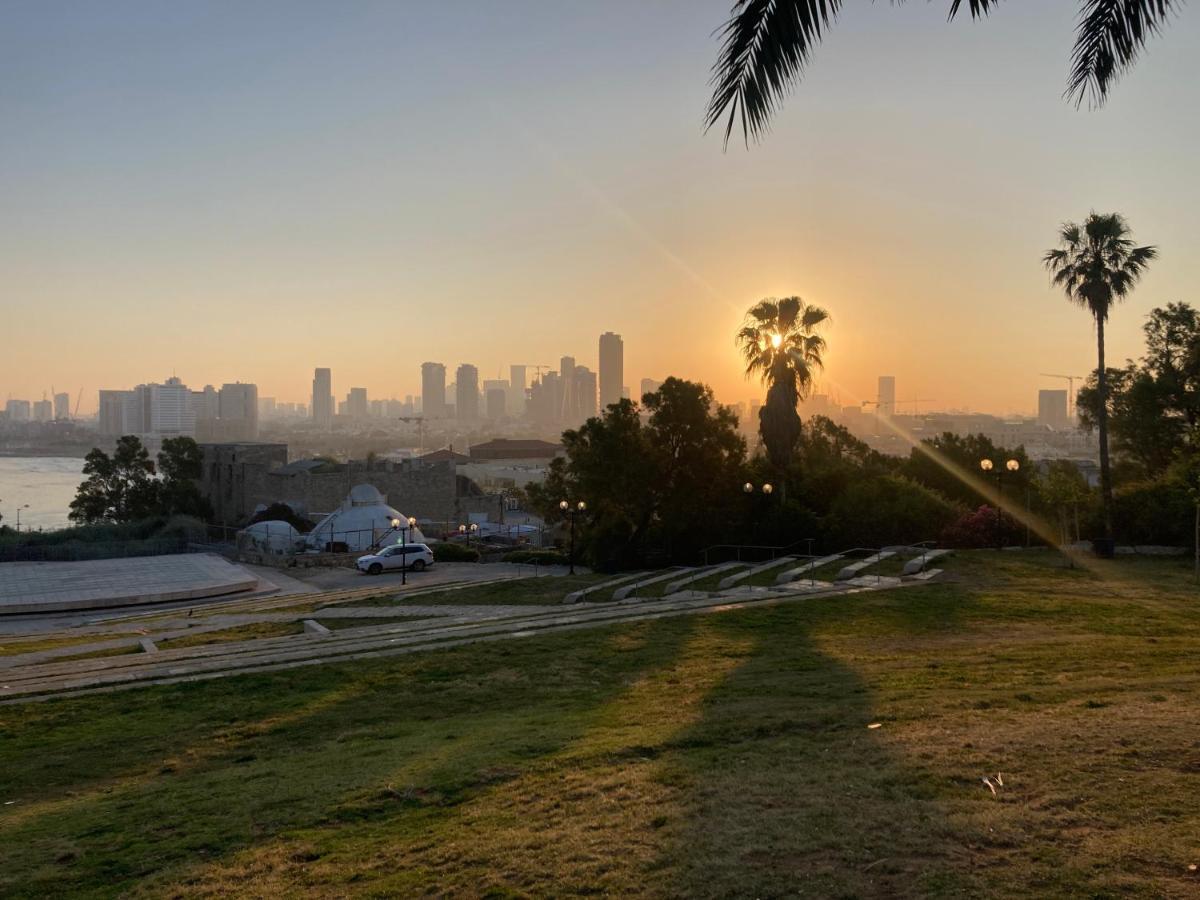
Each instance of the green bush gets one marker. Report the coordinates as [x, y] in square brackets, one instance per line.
[537, 557]
[444, 551]
[1154, 512]
[878, 512]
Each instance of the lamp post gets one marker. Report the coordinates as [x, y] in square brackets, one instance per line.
[986, 465]
[748, 489]
[571, 513]
[403, 526]
[19, 508]
[468, 530]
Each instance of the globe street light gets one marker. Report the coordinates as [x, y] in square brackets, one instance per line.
[19, 508]
[986, 465]
[403, 525]
[571, 513]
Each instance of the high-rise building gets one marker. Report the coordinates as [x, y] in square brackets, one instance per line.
[43, 410]
[517, 386]
[489, 387]
[466, 393]
[566, 374]
[267, 409]
[18, 410]
[322, 398]
[357, 405]
[1052, 409]
[119, 413]
[237, 409]
[433, 390]
[886, 397]
[62, 407]
[612, 368]
[649, 386]
[584, 401]
[167, 409]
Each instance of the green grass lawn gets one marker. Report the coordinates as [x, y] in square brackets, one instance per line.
[234, 633]
[335, 624]
[717, 755]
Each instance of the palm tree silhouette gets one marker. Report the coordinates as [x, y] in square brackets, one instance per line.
[779, 342]
[1096, 264]
[765, 45]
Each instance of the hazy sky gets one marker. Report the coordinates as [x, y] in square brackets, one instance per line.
[245, 190]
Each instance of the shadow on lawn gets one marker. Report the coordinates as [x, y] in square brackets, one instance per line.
[788, 789]
[402, 741]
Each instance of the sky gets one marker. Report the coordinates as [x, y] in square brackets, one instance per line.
[245, 190]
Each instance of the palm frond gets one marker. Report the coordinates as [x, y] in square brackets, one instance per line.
[979, 8]
[765, 45]
[1108, 39]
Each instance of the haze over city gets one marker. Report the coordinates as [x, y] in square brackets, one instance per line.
[244, 193]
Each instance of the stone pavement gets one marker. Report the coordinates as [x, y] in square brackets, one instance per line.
[48, 587]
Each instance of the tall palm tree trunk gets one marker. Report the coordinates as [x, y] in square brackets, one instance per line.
[1106, 496]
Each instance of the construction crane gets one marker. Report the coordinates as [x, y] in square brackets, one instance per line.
[420, 420]
[1070, 379]
[78, 400]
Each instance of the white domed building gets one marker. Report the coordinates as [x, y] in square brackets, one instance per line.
[364, 520]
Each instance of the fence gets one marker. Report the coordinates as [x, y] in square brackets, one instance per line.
[77, 551]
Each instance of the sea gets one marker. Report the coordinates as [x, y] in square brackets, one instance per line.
[46, 483]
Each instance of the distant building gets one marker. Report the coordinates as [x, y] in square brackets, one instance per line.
[584, 401]
[566, 396]
[886, 396]
[43, 410]
[506, 448]
[357, 405]
[167, 409]
[517, 386]
[266, 408]
[612, 368]
[433, 390]
[495, 403]
[237, 410]
[1052, 409]
[649, 386]
[18, 410]
[322, 398]
[466, 393]
[62, 407]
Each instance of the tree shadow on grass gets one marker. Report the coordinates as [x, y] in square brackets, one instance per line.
[790, 792]
[402, 742]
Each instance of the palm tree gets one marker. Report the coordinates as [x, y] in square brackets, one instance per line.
[779, 342]
[1097, 265]
[765, 45]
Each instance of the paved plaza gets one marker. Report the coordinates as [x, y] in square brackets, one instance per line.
[47, 587]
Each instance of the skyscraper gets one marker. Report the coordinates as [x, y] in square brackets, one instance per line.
[357, 405]
[1052, 409]
[322, 398]
[43, 410]
[649, 386]
[62, 407]
[466, 397]
[237, 412]
[887, 395]
[433, 390]
[585, 394]
[517, 384]
[566, 374]
[612, 368]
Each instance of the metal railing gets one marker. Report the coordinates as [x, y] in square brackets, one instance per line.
[755, 552]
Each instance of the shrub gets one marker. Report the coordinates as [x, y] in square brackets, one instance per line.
[281, 512]
[876, 512]
[977, 529]
[445, 551]
[1154, 512]
[537, 557]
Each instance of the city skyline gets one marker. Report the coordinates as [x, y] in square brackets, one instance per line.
[209, 218]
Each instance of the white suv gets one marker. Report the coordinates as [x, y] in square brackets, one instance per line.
[415, 557]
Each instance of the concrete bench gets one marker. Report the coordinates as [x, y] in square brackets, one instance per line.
[917, 563]
[622, 592]
[853, 570]
[731, 580]
[699, 575]
[810, 566]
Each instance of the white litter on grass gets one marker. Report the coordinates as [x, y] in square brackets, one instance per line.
[991, 786]
[875, 725]
[999, 779]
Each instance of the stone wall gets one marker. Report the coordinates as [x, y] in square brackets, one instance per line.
[238, 478]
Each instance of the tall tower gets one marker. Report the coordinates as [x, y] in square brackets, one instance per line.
[612, 368]
[322, 398]
[467, 393]
[566, 374]
[887, 396]
[433, 390]
[517, 385]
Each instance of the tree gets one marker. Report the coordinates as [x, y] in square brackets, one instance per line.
[964, 453]
[180, 462]
[1097, 265]
[766, 44]
[667, 477]
[780, 343]
[120, 488]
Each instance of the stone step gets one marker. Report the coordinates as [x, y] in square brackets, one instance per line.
[582, 594]
[811, 566]
[853, 570]
[699, 575]
[917, 563]
[622, 592]
[730, 580]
